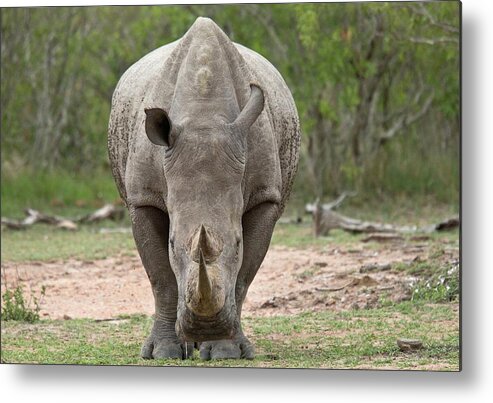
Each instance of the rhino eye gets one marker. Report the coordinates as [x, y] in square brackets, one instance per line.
[237, 251]
[172, 243]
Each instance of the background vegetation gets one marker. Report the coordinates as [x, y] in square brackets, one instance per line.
[376, 85]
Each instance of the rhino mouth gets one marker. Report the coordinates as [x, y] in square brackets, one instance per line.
[192, 327]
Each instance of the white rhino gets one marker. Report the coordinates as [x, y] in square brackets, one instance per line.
[204, 142]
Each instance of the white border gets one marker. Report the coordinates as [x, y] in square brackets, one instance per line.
[85, 384]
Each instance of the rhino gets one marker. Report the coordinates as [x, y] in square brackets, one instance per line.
[203, 142]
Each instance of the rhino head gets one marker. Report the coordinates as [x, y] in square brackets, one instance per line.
[204, 141]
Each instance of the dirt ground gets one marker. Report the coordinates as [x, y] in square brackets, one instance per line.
[289, 281]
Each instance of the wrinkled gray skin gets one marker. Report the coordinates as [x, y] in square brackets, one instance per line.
[203, 141]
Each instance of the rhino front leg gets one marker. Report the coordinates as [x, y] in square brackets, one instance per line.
[150, 227]
[258, 225]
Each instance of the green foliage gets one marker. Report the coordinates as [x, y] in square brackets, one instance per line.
[354, 71]
[16, 307]
[419, 170]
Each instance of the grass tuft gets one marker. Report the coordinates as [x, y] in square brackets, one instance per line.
[17, 307]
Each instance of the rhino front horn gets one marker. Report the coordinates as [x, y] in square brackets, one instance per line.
[205, 292]
[204, 288]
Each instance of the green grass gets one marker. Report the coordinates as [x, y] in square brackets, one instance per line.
[352, 339]
[46, 243]
[301, 236]
[43, 242]
[58, 192]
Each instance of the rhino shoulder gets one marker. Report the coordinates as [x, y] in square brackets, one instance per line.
[127, 111]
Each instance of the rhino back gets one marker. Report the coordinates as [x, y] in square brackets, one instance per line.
[273, 144]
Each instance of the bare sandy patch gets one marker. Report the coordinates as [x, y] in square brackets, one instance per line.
[289, 281]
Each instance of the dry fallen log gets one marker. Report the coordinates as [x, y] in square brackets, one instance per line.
[12, 224]
[325, 219]
[446, 225]
[34, 216]
[310, 207]
[290, 220]
[67, 225]
[122, 230]
[109, 211]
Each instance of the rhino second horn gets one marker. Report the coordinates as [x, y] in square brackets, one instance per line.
[207, 244]
[203, 244]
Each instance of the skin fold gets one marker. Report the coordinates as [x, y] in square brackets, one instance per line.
[204, 143]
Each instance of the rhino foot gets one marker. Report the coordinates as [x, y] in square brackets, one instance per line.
[159, 349]
[227, 349]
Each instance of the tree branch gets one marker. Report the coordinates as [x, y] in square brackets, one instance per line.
[434, 41]
[407, 119]
[422, 10]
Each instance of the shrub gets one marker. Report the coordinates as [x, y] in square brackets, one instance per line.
[15, 306]
[442, 286]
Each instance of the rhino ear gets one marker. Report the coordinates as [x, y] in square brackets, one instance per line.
[158, 127]
[252, 109]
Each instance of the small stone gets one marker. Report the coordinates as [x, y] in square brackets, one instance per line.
[270, 303]
[365, 281]
[409, 344]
